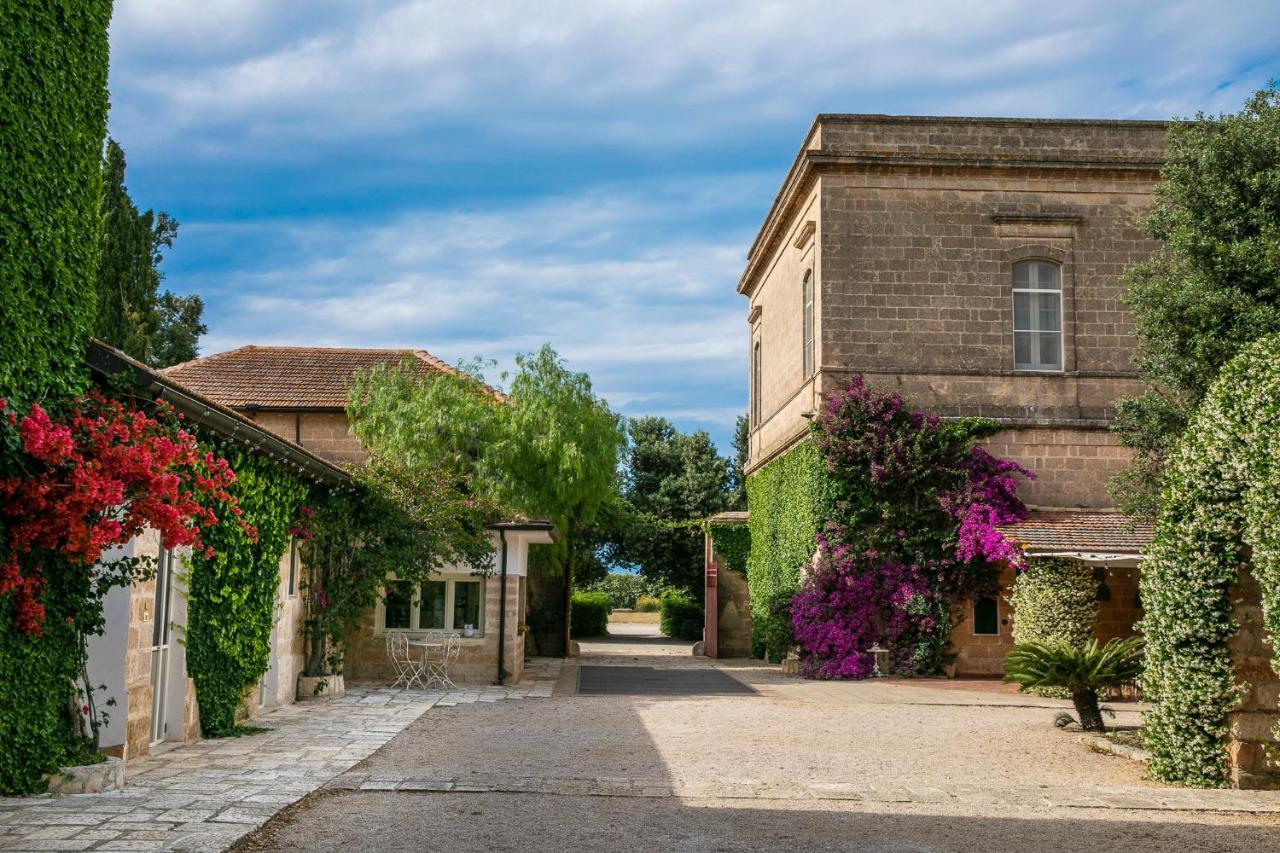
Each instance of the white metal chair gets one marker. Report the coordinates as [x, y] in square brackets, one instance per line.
[438, 666]
[408, 671]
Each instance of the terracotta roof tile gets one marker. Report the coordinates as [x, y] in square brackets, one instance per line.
[1083, 531]
[289, 377]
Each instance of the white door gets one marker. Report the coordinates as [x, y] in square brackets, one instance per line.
[161, 636]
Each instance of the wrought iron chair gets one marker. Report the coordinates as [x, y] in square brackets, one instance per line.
[408, 671]
[438, 666]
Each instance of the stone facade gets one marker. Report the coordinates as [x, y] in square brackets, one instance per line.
[324, 433]
[1254, 722]
[910, 227]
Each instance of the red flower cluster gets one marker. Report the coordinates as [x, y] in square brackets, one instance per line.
[96, 481]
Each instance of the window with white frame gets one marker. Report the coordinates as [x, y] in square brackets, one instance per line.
[1037, 315]
[807, 296]
[445, 604]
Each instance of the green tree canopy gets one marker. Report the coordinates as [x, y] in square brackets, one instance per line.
[160, 329]
[549, 447]
[670, 477]
[1213, 287]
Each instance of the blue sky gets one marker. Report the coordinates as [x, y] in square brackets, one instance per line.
[478, 178]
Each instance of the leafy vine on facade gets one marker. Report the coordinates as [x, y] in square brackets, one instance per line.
[85, 480]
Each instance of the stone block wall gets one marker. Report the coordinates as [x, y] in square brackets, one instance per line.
[326, 434]
[1252, 746]
[1072, 465]
[733, 612]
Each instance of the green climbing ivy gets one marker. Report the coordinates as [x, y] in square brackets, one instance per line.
[1054, 601]
[1219, 510]
[232, 595]
[788, 500]
[732, 542]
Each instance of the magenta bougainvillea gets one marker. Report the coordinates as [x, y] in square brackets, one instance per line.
[913, 526]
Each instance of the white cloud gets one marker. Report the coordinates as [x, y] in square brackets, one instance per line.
[656, 324]
[608, 71]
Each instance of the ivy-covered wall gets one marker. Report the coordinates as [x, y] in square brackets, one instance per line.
[53, 118]
[1219, 517]
[232, 596]
[787, 500]
[53, 109]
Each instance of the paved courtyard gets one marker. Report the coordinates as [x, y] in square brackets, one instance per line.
[204, 796]
[782, 764]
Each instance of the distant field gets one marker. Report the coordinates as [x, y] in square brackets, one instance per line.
[632, 617]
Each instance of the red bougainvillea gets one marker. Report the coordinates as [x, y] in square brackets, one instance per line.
[94, 480]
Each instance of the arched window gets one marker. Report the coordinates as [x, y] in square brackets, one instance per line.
[1037, 315]
[807, 295]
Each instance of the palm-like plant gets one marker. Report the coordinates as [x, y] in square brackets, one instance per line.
[1081, 670]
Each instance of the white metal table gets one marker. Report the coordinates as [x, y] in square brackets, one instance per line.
[438, 668]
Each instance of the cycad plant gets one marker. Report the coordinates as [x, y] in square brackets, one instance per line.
[1081, 670]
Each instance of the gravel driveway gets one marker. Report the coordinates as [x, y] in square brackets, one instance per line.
[796, 764]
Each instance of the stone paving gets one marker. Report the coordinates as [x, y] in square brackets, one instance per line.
[206, 795]
[1162, 799]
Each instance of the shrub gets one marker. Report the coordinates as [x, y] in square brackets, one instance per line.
[589, 614]
[647, 604]
[1081, 670]
[624, 589]
[1054, 601]
[682, 616]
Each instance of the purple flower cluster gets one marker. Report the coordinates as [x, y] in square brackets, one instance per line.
[915, 527]
[854, 599]
[986, 500]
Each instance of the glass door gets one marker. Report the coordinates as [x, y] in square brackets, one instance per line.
[161, 635]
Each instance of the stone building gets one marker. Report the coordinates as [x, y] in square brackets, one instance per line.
[974, 265]
[300, 393]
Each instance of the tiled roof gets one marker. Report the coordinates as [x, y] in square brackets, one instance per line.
[211, 414]
[289, 377]
[1081, 531]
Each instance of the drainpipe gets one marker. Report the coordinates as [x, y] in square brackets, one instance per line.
[502, 606]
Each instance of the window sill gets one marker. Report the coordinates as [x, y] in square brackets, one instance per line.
[419, 635]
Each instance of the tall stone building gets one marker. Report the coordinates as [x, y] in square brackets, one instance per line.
[973, 264]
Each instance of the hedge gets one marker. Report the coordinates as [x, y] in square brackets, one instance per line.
[787, 498]
[681, 617]
[647, 604]
[589, 614]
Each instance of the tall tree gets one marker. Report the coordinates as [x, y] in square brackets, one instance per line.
[549, 448]
[670, 480]
[738, 474]
[1213, 287]
[181, 325]
[133, 315]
